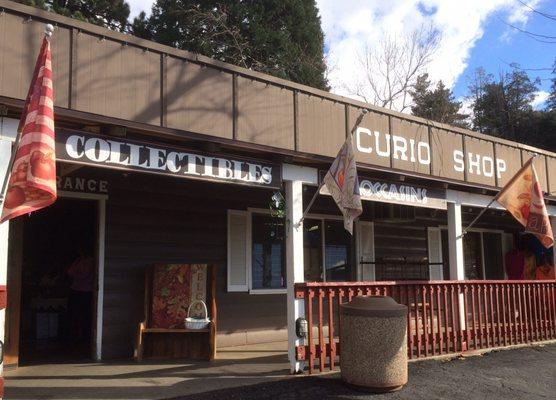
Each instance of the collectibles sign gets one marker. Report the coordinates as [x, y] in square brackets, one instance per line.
[414, 151]
[399, 193]
[86, 148]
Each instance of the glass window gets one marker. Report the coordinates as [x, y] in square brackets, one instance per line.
[336, 251]
[312, 250]
[472, 255]
[445, 255]
[327, 251]
[492, 245]
[268, 266]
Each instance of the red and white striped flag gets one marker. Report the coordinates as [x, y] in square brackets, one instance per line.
[32, 184]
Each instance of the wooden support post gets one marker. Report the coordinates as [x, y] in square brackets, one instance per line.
[294, 266]
[455, 247]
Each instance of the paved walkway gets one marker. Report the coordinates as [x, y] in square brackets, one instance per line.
[236, 366]
[261, 373]
[525, 374]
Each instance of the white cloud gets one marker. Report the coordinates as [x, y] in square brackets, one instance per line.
[348, 25]
[136, 6]
[540, 97]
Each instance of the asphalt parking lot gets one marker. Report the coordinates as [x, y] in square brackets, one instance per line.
[525, 373]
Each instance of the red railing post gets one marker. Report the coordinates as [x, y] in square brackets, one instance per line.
[417, 327]
[331, 342]
[442, 317]
[425, 322]
[322, 345]
[463, 323]
[498, 324]
[409, 327]
[491, 327]
[432, 315]
[311, 340]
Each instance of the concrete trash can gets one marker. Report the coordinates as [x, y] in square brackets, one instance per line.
[373, 344]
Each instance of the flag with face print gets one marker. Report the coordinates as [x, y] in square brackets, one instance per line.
[342, 183]
[523, 198]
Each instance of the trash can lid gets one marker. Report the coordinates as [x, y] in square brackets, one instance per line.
[374, 306]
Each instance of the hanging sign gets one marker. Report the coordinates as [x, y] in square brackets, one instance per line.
[127, 154]
[399, 193]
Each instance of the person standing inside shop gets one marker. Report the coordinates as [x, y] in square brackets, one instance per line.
[80, 298]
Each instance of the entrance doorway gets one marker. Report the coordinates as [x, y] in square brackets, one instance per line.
[58, 276]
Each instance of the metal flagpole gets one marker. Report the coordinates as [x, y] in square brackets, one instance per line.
[498, 195]
[357, 123]
[48, 30]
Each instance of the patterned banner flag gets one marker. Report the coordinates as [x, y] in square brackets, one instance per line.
[342, 183]
[523, 198]
[32, 184]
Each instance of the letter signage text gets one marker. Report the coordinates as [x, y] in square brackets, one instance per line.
[85, 148]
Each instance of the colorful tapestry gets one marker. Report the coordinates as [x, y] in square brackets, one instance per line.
[175, 286]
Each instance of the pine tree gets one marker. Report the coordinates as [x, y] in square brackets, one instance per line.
[112, 14]
[551, 101]
[280, 37]
[437, 104]
[503, 107]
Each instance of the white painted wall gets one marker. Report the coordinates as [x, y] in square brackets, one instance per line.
[8, 132]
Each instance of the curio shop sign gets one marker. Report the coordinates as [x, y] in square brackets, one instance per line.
[86, 148]
[419, 152]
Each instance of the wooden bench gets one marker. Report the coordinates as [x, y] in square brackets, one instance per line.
[169, 289]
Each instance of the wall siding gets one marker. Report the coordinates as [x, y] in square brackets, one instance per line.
[197, 99]
[154, 219]
[20, 41]
[141, 84]
[116, 80]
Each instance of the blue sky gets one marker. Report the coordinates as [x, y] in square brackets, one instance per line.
[501, 45]
[473, 33]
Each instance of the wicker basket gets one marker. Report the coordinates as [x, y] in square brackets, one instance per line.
[197, 323]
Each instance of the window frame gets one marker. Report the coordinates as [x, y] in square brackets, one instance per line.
[481, 231]
[249, 255]
[331, 217]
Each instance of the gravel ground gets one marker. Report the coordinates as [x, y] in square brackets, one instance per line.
[526, 373]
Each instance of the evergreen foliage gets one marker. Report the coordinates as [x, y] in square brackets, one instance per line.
[437, 103]
[279, 37]
[112, 14]
[503, 107]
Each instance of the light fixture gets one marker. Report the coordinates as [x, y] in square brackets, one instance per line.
[278, 199]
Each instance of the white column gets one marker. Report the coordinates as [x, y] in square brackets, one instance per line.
[455, 242]
[294, 177]
[8, 129]
[455, 247]
[294, 260]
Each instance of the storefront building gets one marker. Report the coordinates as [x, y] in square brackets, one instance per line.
[170, 157]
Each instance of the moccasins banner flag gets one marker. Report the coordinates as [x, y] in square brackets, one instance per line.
[523, 198]
[32, 184]
[343, 184]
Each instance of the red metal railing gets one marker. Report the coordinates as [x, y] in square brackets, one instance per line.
[444, 317]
